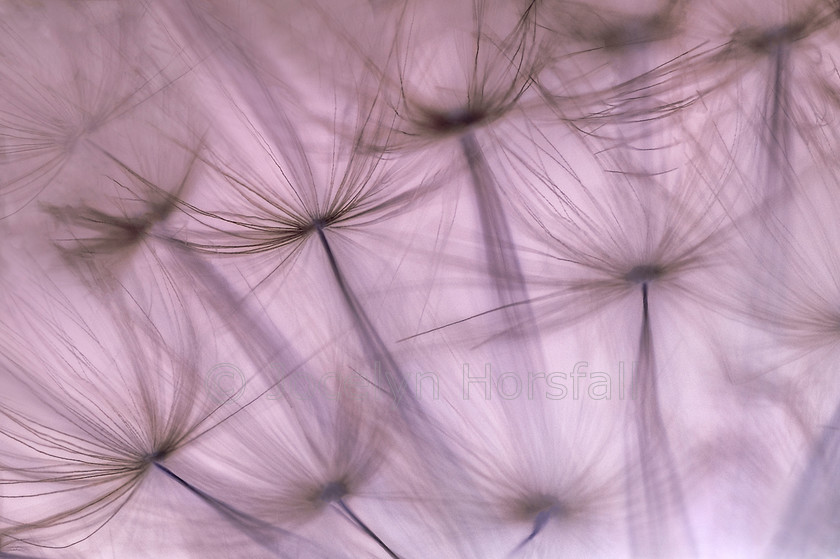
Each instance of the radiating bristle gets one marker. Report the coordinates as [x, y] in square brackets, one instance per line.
[419, 278]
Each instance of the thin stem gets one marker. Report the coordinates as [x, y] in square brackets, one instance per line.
[779, 145]
[425, 434]
[502, 257]
[226, 510]
[371, 340]
[364, 527]
[665, 516]
[540, 522]
[244, 521]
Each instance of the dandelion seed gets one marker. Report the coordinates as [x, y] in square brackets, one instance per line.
[79, 93]
[96, 427]
[394, 226]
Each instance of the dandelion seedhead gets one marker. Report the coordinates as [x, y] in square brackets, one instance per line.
[419, 278]
[95, 425]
